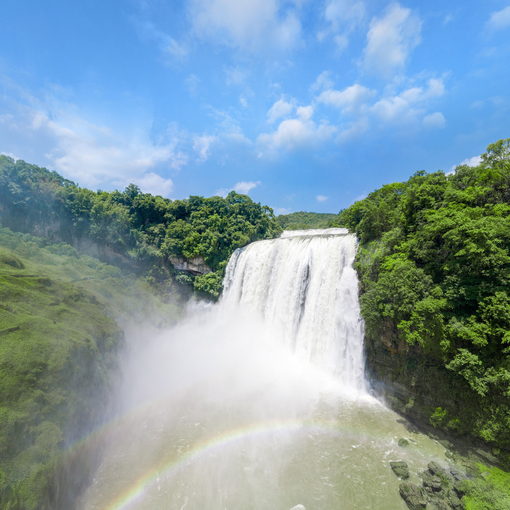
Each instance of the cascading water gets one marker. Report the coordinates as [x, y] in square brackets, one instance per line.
[305, 286]
[257, 402]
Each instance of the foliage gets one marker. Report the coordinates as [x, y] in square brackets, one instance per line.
[58, 343]
[434, 261]
[304, 220]
[490, 491]
[208, 284]
[130, 229]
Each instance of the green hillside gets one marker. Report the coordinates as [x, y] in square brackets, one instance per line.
[58, 347]
[434, 263]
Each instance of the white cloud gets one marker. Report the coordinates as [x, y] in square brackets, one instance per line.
[305, 112]
[243, 187]
[409, 103]
[499, 19]
[281, 210]
[280, 108]
[10, 155]
[154, 184]
[343, 17]
[434, 120]
[340, 12]
[93, 154]
[390, 39]
[321, 198]
[473, 161]
[246, 24]
[322, 82]
[348, 99]
[298, 132]
[202, 146]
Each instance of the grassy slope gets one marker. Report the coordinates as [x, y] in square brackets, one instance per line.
[58, 341]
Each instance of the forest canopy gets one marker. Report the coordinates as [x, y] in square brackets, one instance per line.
[132, 229]
[434, 262]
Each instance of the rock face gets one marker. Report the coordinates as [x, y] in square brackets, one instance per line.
[416, 384]
[414, 496]
[439, 491]
[194, 266]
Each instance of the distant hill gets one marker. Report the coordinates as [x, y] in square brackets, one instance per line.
[303, 220]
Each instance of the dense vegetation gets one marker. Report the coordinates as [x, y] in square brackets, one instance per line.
[434, 262]
[135, 230]
[58, 345]
[303, 220]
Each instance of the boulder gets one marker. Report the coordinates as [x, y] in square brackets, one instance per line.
[431, 482]
[414, 496]
[436, 469]
[400, 468]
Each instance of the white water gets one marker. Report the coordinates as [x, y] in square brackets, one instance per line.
[258, 402]
[304, 286]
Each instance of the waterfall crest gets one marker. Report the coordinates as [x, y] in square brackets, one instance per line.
[304, 286]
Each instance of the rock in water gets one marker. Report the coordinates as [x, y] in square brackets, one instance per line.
[431, 482]
[436, 469]
[298, 507]
[401, 469]
[403, 442]
[414, 496]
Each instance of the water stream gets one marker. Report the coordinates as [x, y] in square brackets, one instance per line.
[259, 401]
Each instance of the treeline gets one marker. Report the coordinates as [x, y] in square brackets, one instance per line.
[135, 230]
[302, 220]
[434, 262]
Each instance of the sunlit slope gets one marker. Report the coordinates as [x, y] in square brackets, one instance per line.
[58, 342]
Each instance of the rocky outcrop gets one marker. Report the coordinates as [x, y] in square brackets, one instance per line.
[416, 384]
[194, 266]
[441, 489]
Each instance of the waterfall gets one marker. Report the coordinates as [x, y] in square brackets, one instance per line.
[256, 402]
[304, 286]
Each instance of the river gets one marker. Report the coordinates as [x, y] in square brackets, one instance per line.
[259, 401]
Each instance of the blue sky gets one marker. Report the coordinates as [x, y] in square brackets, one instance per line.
[303, 104]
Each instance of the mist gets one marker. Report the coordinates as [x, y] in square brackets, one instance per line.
[236, 407]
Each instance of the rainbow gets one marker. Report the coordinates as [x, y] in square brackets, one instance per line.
[165, 469]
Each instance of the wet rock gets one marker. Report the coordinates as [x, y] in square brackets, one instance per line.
[450, 455]
[460, 488]
[438, 505]
[454, 501]
[414, 496]
[431, 482]
[403, 442]
[400, 468]
[436, 469]
[457, 475]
